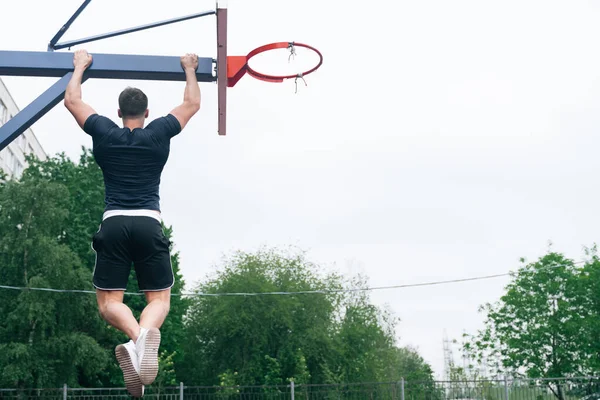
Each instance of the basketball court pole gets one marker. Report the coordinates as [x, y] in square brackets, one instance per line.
[222, 67]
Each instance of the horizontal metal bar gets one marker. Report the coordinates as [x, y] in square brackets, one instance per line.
[34, 111]
[130, 30]
[104, 66]
[66, 26]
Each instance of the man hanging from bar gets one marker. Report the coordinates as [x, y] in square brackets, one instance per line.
[132, 158]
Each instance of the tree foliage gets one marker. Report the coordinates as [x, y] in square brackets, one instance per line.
[44, 338]
[546, 323]
[590, 285]
[260, 338]
[329, 337]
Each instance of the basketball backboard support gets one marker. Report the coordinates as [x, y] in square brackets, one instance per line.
[226, 70]
[222, 66]
[108, 66]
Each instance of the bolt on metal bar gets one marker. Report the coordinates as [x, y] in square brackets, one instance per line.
[66, 26]
[131, 30]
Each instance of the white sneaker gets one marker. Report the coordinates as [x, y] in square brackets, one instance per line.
[129, 362]
[147, 349]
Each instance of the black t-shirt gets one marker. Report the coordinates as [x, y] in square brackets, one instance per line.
[131, 160]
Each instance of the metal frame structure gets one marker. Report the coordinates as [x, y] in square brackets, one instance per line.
[108, 66]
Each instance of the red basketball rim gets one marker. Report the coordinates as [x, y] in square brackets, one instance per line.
[274, 46]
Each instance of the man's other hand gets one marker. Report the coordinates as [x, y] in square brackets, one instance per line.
[81, 59]
[189, 61]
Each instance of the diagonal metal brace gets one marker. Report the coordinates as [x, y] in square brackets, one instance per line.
[72, 43]
[67, 25]
[34, 111]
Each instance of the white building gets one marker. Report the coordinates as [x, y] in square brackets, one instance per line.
[12, 157]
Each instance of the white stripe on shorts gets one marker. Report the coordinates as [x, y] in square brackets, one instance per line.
[133, 213]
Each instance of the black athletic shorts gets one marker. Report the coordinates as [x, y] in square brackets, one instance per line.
[125, 240]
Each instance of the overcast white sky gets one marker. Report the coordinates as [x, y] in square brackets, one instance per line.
[439, 140]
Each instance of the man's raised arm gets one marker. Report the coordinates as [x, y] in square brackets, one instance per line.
[80, 110]
[191, 95]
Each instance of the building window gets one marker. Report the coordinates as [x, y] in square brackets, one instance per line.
[15, 164]
[10, 159]
[2, 113]
[22, 142]
[18, 168]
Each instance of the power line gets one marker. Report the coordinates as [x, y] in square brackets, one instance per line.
[301, 292]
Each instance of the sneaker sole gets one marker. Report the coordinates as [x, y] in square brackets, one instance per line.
[132, 379]
[149, 366]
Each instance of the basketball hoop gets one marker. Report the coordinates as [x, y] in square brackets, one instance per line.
[237, 66]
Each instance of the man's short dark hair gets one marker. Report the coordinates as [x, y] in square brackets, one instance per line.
[133, 103]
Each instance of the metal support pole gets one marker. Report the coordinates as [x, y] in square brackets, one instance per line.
[292, 389]
[506, 388]
[130, 30]
[34, 111]
[222, 69]
[402, 389]
[180, 390]
[65, 391]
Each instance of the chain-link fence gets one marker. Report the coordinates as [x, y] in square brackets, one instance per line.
[513, 389]
[586, 388]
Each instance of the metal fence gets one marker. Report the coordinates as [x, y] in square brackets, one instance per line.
[514, 389]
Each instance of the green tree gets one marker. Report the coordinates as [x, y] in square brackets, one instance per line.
[590, 283]
[537, 328]
[325, 337]
[46, 339]
[367, 344]
[250, 339]
[411, 366]
[365, 339]
[85, 186]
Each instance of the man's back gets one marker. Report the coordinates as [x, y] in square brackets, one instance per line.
[132, 161]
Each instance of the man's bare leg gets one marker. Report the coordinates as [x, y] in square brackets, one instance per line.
[151, 320]
[117, 314]
[157, 309]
